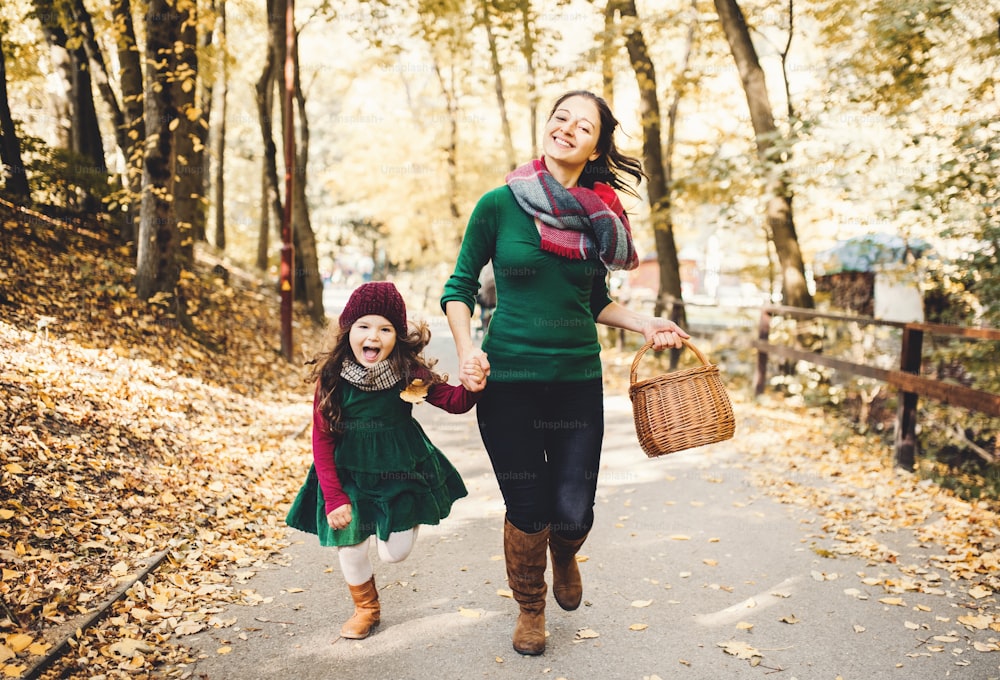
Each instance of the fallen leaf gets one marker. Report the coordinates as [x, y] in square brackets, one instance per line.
[130, 647]
[740, 650]
[894, 601]
[638, 626]
[19, 642]
[743, 625]
[188, 628]
[469, 613]
[977, 622]
[586, 634]
[859, 629]
[979, 592]
[39, 648]
[638, 604]
[789, 619]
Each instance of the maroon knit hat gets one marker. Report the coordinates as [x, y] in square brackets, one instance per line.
[376, 297]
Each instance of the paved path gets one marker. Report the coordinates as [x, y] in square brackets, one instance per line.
[686, 557]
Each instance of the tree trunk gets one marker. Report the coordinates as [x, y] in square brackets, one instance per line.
[11, 165]
[98, 67]
[451, 148]
[271, 205]
[219, 139]
[308, 279]
[608, 50]
[508, 141]
[130, 81]
[83, 135]
[160, 257]
[190, 164]
[199, 228]
[659, 186]
[528, 50]
[779, 203]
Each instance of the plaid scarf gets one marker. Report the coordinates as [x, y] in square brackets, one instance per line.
[577, 223]
[381, 376]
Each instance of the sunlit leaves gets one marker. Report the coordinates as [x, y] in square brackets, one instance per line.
[128, 438]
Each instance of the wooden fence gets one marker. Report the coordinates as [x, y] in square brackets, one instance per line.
[907, 379]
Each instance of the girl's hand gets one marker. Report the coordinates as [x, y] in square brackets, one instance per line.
[474, 371]
[339, 518]
[664, 333]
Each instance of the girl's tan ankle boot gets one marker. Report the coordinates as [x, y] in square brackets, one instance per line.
[367, 611]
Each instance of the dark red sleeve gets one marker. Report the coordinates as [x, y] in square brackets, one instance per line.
[326, 466]
[452, 398]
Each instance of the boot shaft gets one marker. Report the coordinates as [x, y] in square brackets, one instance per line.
[526, 556]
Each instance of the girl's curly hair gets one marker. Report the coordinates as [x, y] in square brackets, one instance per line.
[406, 358]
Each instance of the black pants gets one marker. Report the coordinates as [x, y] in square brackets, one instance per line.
[544, 440]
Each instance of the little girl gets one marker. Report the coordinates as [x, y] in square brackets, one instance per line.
[374, 470]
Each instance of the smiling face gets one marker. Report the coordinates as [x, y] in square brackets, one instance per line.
[572, 133]
[372, 339]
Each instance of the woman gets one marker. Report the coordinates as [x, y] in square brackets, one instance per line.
[551, 233]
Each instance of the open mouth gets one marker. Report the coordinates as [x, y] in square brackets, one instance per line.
[370, 354]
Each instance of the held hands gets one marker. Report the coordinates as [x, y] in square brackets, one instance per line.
[474, 371]
[664, 333]
[339, 518]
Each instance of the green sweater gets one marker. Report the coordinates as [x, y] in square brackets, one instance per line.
[543, 327]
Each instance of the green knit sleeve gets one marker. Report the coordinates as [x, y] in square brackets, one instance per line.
[599, 295]
[478, 245]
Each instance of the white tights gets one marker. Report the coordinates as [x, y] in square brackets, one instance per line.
[356, 566]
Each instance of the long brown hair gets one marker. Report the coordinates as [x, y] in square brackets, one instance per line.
[407, 360]
[612, 163]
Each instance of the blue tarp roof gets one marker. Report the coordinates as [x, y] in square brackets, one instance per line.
[864, 253]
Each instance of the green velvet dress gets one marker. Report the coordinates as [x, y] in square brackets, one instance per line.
[395, 477]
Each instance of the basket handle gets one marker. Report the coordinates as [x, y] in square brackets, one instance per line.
[642, 350]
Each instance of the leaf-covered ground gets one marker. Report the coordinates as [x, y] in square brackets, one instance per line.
[125, 442]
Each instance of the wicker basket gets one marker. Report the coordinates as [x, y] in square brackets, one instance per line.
[682, 409]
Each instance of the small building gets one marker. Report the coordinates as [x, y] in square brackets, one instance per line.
[873, 275]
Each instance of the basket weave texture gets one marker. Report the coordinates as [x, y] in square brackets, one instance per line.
[682, 409]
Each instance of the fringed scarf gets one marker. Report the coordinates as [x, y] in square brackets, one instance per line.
[381, 376]
[578, 223]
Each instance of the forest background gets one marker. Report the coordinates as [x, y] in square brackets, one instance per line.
[770, 132]
[143, 154]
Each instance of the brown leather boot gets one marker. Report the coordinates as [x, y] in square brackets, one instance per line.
[525, 555]
[567, 586]
[366, 611]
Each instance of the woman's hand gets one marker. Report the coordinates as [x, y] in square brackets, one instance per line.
[339, 518]
[475, 369]
[663, 333]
